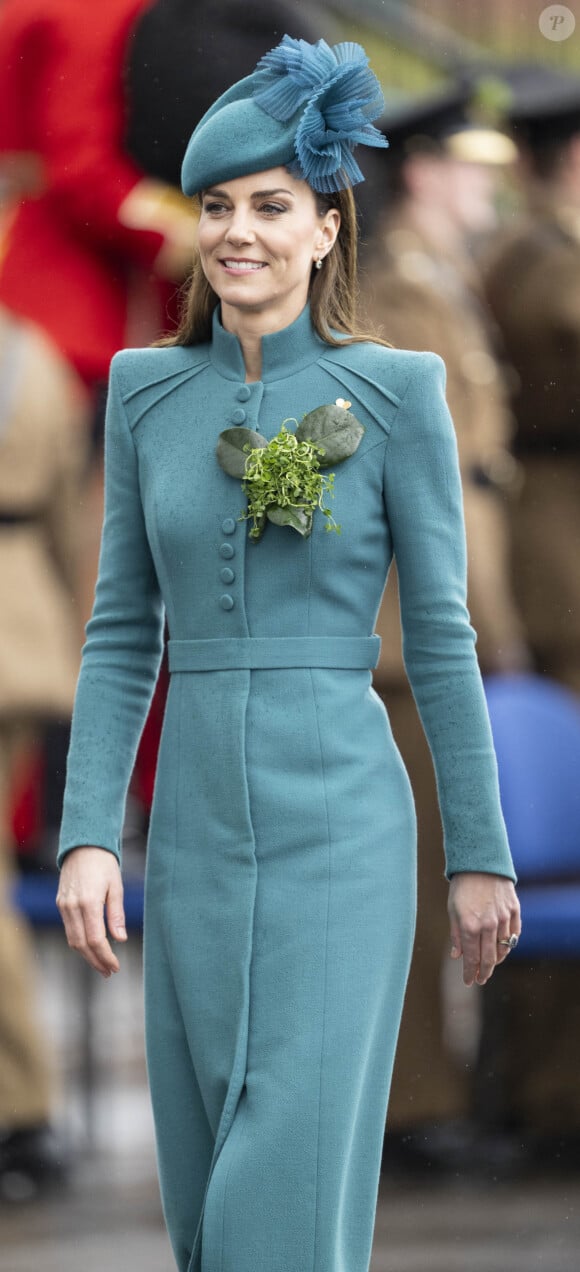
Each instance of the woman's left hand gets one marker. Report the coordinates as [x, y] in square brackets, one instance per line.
[483, 910]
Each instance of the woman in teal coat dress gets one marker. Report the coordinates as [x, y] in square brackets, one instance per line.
[280, 888]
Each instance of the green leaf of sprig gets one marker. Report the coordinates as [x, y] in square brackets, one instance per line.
[282, 478]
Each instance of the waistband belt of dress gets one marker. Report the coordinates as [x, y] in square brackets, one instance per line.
[249, 653]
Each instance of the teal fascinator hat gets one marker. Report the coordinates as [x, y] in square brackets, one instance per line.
[305, 107]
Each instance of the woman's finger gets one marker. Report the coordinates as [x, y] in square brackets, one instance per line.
[489, 951]
[512, 926]
[455, 933]
[73, 923]
[82, 935]
[504, 932]
[97, 949]
[471, 946]
[115, 911]
[516, 919]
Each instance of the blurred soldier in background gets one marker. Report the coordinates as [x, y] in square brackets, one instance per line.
[42, 461]
[181, 58]
[533, 287]
[421, 291]
[90, 237]
[75, 262]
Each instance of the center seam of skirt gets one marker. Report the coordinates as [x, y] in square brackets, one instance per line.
[325, 968]
[235, 1086]
[177, 807]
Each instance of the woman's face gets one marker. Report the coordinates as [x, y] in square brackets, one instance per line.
[258, 238]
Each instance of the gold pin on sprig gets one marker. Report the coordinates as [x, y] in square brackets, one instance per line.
[343, 403]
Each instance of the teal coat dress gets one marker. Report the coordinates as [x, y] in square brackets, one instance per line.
[280, 887]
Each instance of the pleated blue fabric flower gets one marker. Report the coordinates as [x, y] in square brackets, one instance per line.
[305, 107]
[340, 96]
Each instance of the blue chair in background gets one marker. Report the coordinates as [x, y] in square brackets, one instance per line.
[536, 731]
[35, 896]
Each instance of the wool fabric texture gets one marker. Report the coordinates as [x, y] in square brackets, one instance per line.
[280, 888]
[305, 107]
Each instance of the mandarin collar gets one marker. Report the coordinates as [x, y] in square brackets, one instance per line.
[283, 352]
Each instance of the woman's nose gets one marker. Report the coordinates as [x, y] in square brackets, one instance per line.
[239, 229]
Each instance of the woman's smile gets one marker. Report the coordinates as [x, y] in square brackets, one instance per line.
[239, 265]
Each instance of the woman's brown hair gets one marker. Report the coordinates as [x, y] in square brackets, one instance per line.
[333, 289]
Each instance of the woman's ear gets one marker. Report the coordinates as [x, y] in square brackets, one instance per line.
[329, 230]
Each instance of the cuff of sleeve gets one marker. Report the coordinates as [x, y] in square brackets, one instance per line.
[65, 848]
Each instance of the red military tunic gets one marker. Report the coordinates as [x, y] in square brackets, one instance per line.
[67, 259]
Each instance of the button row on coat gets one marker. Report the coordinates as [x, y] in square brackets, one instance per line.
[243, 394]
[227, 551]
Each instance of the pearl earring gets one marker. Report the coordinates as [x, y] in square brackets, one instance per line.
[318, 263]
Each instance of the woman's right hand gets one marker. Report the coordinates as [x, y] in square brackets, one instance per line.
[91, 887]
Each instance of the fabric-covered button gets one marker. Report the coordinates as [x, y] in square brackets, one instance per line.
[244, 393]
[227, 574]
[227, 601]
[239, 415]
[227, 550]
[228, 525]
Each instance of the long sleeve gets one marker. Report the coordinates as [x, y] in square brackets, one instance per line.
[121, 655]
[424, 506]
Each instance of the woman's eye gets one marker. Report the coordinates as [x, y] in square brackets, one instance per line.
[272, 209]
[213, 207]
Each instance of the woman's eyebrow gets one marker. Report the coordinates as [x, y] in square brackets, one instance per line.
[263, 194]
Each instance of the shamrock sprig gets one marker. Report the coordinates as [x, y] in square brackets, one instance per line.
[283, 483]
[281, 478]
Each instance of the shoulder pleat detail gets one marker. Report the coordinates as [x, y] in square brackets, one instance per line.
[154, 391]
[352, 379]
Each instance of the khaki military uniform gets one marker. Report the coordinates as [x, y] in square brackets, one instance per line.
[533, 287]
[532, 279]
[43, 446]
[417, 298]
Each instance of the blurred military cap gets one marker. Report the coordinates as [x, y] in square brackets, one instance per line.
[544, 103]
[458, 121]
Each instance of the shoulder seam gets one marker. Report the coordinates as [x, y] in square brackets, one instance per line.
[126, 420]
[411, 380]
